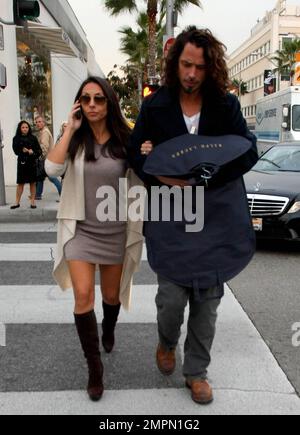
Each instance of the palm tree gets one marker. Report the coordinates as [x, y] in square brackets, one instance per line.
[286, 57]
[239, 87]
[135, 43]
[123, 80]
[115, 7]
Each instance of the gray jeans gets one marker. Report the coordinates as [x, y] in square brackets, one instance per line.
[171, 301]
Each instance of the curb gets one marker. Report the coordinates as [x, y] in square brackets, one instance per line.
[27, 215]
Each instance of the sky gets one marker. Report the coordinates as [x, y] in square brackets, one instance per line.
[230, 20]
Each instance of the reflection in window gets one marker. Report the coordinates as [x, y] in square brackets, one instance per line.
[281, 159]
[34, 84]
[296, 118]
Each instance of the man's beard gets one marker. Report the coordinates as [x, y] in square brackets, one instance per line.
[191, 89]
[188, 90]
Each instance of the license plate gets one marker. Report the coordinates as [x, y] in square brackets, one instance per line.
[257, 224]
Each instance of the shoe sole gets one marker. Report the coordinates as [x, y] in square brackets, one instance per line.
[164, 372]
[199, 402]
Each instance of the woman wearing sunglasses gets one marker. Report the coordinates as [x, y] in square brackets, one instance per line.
[92, 153]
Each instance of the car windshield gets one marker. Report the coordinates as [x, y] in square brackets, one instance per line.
[281, 159]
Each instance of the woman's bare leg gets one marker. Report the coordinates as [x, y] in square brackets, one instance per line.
[19, 193]
[32, 193]
[110, 283]
[83, 280]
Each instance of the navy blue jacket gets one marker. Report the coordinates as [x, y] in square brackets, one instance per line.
[226, 245]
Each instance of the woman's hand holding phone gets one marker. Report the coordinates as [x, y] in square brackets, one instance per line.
[59, 153]
[75, 117]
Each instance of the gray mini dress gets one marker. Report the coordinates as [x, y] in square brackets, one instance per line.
[96, 241]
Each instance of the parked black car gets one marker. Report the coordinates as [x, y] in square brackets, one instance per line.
[273, 190]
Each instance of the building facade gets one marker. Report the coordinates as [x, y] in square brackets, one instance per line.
[45, 62]
[252, 62]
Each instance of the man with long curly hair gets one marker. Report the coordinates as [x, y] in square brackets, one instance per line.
[194, 99]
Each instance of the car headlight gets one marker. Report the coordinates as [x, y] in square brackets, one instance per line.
[295, 208]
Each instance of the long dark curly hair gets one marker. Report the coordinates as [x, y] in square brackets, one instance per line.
[217, 77]
[19, 132]
[84, 138]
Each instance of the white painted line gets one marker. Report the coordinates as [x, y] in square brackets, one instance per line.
[26, 252]
[34, 252]
[2, 335]
[48, 304]
[170, 401]
[144, 256]
[30, 227]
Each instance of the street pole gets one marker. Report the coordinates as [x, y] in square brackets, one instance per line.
[2, 183]
[170, 14]
[140, 89]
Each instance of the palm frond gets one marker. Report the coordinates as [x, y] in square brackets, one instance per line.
[180, 5]
[116, 7]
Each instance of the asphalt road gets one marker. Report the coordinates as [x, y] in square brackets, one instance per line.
[269, 291]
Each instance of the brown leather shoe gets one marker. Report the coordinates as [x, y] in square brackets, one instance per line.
[201, 391]
[166, 360]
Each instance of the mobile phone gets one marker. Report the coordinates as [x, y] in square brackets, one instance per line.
[78, 114]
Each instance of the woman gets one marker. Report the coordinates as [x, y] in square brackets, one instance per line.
[28, 150]
[92, 153]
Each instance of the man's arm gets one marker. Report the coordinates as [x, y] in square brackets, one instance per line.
[44, 144]
[243, 164]
[139, 135]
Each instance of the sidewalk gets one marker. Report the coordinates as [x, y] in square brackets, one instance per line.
[46, 209]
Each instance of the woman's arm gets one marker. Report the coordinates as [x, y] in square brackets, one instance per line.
[59, 153]
[17, 147]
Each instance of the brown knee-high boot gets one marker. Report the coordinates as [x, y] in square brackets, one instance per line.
[110, 317]
[87, 329]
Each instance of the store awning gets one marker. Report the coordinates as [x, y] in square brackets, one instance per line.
[55, 40]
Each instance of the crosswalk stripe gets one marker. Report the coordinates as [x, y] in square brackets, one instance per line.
[26, 252]
[120, 402]
[30, 227]
[174, 402]
[34, 252]
[48, 304]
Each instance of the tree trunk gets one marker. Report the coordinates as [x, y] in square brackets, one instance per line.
[152, 13]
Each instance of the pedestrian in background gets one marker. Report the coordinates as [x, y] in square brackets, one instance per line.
[46, 142]
[92, 153]
[28, 150]
[194, 99]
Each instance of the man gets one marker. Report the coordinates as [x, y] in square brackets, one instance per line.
[193, 99]
[46, 143]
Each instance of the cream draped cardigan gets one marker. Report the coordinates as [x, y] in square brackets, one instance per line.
[72, 209]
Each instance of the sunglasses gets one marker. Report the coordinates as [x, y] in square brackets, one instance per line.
[99, 100]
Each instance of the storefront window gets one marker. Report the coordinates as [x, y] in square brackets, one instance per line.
[34, 84]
